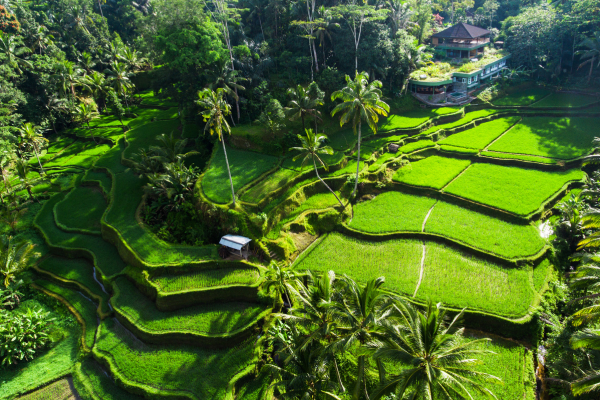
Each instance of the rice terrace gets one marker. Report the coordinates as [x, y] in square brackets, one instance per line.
[196, 207]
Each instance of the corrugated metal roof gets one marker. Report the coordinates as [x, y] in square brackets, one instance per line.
[234, 241]
[462, 31]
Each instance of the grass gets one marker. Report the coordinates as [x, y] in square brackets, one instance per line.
[174, 370]
[84, 306]
[96, 150]
[51, 365]
[92, 383]
[481, 135]
[521, 157]
[78, 270]
[82, 209]
[391, 212]
[202, 320]
[121, 215]
[269, 184]
[245, 167]
[434, 172]
[414, 146]
[540, 275]
[564, 138]
[206, 279]
[519, 191]
[523, 97]
[105, 254]
[112, 158]
[398, 260]
[414, 118]
[490, 234]
[101, 177]
[458, 150]
[59, 144]
[566, 100]
[460, 281]
[469, 117]
[59, 390]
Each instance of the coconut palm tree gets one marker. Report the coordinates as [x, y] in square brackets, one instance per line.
[23, 170]
[216, 110]
[592, 53]
[310, 148]
[118, 78]
[224, 77]
[586, 339]
[15, 257]
[361, 101]
[87, 62]
[95, 83]
[68, 75]
[171, 148]
[30, 137]
[441, 362]
[360, 318]
[84, 114]
[42, 38]
[301, 104]
[12, 52]
[284, 280]
[132, 59]
[55, 104]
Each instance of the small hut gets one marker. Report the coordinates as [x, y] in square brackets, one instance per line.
[236, 245]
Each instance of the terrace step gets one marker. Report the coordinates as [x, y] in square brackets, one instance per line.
[214, 325]
[193, 373]
[94, 381]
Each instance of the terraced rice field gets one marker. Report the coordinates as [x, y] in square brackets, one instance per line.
[433, 172]
[566, 100]
[523, 97]
[482, 135]
[414, 118]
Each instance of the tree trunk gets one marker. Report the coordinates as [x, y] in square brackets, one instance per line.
[261, 28]
[237, 102]
[29, 192]
[315, 55]
[359, 378]
[303, 126]
[326, 185]
[100, 8]
[357, 160]
[38, 159]
[591, 69]
[229, 172]
[342, 388]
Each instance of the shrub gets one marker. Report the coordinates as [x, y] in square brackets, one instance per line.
[23, 335]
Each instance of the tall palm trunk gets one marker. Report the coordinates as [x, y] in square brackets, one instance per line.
[38, 159]
[229, 172]
[326, 185]
[100, 8]
[591, 69]
[359, 378]
[357, 159]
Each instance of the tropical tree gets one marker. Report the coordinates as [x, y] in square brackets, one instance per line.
[591, 54]
[31, 138]
[301, 104]
[400, 15]
[171, 148]
[439, 359]
[42, 38]
[227, 79]
[310, 149]
[361, 101]
[118, 78]
[95, 83]
[360, 319]
[84, 114]
[283, 279]
[590, 221]
[132, 59]
[586, 339]
[175, 183]
[12, 52]
[23, 170]
[68, 75]
[55, 105]
[87, 62]
[6, 160]
[15, 257]
[216, 110]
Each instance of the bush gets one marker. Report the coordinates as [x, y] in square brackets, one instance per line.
[22, 336]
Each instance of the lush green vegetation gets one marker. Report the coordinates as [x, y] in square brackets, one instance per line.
[101, 178]
[206, 279]
[563, 138]
[464, 151]
[510, 156]
[415, 146]
[92, 383]
[523, 97]
[272, 182]
[391, 212]
[566, 100]
[519, 191]
[481, 135]
[434, 172]
[487, 233]
[71, 215]
[414, 118]
[469, 117]
[245, 167]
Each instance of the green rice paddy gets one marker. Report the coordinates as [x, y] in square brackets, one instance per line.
[481, 135]
[72, 215]
[523, 97]
[414, 118]
[432, 172]
[563, 138]
[516, 190]
[207, 279]
[566, 100]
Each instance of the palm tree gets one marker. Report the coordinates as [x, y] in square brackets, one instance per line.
[586, 339]
[14, 257]
[132, 59]
[31, 138]
[12, 52]
[41, 38]
[361, 100]
[323, 31]
[592, 54]
[95, 83]
[590, 220]
[68, 75]
[216, 110]
[305, 373]
[284, 280]
[176, 183]
[87, 62]
[84, 114]
[171, 148]
[55, 104]
[6, 159]
[23, 170]
[310, 148]
[118, 78]
[400, 15]
[440, 360]
[360, 318]
[301, 104]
